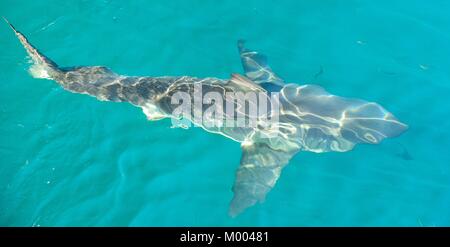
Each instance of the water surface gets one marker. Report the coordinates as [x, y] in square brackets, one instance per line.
[70, 160]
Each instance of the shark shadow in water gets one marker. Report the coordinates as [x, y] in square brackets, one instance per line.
[309, 118]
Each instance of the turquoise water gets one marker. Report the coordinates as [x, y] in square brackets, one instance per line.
[70, 160]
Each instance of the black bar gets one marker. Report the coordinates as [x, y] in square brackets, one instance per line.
[172, 236]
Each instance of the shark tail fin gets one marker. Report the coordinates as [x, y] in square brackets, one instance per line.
[43, 67]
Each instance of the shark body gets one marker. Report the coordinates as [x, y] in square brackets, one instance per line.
[310, 118]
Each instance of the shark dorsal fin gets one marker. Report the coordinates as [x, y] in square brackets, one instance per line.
[245, 83]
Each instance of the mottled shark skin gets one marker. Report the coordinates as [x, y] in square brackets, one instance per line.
[310, 118]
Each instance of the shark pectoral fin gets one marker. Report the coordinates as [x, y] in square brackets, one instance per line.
[256, 67]
[257, 174]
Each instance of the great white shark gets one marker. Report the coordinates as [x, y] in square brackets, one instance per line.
[309, 118]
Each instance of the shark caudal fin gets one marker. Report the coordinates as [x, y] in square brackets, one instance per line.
[43, 67]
